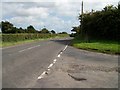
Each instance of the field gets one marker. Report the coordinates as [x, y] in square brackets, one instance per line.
[14, 39]
[110, 47]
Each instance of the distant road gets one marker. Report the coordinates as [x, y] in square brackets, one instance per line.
[24, 65]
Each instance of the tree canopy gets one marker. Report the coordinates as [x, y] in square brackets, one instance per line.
[104, 24]
[7, 27]
[31, 29]
[53, 32]
[44, 30]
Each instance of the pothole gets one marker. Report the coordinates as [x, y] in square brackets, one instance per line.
[77, 78]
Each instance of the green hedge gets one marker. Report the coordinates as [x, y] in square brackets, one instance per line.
[22, 37]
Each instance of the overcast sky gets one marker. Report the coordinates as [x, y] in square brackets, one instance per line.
[58, 15]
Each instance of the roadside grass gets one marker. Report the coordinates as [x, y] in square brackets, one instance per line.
[110, 47]
[12, 43]
[6, 44]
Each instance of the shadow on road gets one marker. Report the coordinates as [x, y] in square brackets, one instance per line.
[63, 41]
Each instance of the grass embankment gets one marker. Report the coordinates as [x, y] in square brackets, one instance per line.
[110, 47]
[6, 44]
[15, 39]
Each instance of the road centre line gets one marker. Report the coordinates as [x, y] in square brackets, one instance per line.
[42, 75]
[58, 55]
[28, 48]
[54, 61]
[65, 48]
[60, 52]
[50, 65]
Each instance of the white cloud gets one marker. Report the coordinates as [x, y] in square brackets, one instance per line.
[34, 11]
[17, 9]
[65, 8]
[60, 15]
[59, 1]
[0, 11]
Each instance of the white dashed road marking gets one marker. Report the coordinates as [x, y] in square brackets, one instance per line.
[50, 65]
[42, 75]
[58, 55]
[28, 48]
[65, 48]
[60, 52]
[54, 61]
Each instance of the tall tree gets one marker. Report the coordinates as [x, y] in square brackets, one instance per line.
[76, 29]
[30, 29]
[103, 24]
[53, 32]
[7, 27]
[44, 30]
[21, 30]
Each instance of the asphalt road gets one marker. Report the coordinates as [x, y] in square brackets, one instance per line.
[23, 65]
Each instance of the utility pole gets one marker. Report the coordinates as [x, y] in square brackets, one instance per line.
[82, 8]
[81, 19]
[119, 5]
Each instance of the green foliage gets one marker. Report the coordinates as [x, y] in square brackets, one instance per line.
[22, 37]
[103, 24]
[72, 34]
[103, 46]
[53, 32]
[44, 31]
[63, 33]
[7, 27]
[30, 29]
[76, 29]
[26, 36]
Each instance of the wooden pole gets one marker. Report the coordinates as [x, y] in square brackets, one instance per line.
[82, 19]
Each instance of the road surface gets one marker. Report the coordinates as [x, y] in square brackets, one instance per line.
[44, 64]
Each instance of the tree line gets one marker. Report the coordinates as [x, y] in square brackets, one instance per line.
[7, 28]
[104, 24]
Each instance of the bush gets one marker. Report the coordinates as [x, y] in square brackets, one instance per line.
[22, 37]
[104, 25]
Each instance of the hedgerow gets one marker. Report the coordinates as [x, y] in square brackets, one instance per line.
[22, 37]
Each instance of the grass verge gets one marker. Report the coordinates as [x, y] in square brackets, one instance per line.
[12, 43]
[6, 44]
[110, 47]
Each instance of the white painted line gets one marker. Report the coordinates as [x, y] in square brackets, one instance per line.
[55, 60]
[50, 65]
[48, 69]
[60, 52]
[29, 48]
[65, 48]
[23, 50]
[42, 75]
[58, 55]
